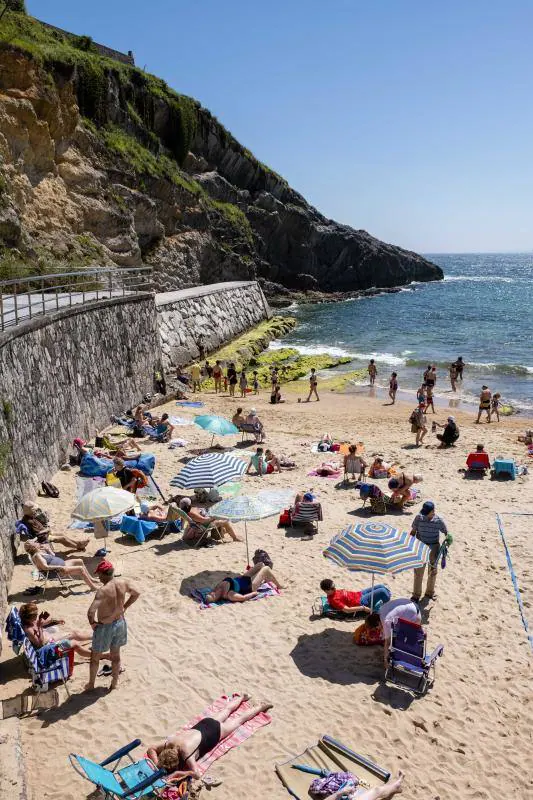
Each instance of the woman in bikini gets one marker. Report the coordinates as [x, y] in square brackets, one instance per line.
[401, 488]
[179, 754]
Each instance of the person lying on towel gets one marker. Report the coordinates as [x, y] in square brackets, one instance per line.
[352, 602]
[383, 792]
[179, 753]
[243, 587]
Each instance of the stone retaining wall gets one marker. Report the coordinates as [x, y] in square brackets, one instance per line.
[217, 313]
[61, 375]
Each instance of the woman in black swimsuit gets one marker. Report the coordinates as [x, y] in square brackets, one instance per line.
[179, 754]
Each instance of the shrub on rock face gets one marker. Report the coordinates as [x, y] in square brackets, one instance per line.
[16, 5]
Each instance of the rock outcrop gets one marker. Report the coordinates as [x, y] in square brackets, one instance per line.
[103, 164]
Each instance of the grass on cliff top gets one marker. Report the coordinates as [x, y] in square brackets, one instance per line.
[52, 49]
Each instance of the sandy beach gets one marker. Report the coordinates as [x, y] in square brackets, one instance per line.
[470, 737]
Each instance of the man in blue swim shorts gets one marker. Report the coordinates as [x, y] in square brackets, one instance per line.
[106, 617]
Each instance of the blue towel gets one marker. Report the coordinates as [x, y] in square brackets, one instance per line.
[190, 403]
[138, 528]
[46, 655]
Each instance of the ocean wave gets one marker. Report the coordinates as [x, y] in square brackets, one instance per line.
[479, 278]
[478, 366]
[338, 352]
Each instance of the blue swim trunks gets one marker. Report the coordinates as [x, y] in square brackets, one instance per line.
[110, 636]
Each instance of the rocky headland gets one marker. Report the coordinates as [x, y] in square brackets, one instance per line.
[104, 164]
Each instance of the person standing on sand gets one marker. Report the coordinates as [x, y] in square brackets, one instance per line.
[313, 383]
[372, 371]
[429, 397]
[232, 379]
[217, 376]
[485, 402]
[393, 387]
[427, 527]
[106, 618]
[196, 378]
[419, 424]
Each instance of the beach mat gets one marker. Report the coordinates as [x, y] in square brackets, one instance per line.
[265, 590]
[331, 755]
[237, 737]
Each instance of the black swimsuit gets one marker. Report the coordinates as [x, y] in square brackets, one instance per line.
[209, 730]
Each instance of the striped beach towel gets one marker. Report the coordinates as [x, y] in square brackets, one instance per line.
[237, 737]
[265, 590]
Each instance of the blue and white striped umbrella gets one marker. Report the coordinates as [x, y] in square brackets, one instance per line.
[377, 548]
[208, 470]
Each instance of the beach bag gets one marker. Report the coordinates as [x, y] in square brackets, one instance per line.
[140, 478]
[413, 418]
[324, 787]
[49, 489]
[261, 556]
[285, 519]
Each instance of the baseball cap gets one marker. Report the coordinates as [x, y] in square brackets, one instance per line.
[309, 496]
[427, 508]
[104, 566]
[253, 412]
[451, 419]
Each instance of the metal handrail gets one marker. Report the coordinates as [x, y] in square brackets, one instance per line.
[24, 298]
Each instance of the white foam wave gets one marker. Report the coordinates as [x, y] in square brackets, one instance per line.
[338, 352]
[479, 278]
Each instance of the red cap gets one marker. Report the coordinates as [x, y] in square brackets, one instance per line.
[104, 566]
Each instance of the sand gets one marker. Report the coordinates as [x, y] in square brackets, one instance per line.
[470, 737]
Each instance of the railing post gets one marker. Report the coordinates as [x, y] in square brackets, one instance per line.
[2, 309]
[110, 284]
[16, 305]
[42, 296]
[29, 301]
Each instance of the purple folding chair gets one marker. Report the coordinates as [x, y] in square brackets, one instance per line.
[408, 664]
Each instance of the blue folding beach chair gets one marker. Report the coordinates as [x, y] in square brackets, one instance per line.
[408, 664]
[136, 779]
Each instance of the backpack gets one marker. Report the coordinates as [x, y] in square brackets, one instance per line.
[140, 478]
[49, 489]
[261, 556]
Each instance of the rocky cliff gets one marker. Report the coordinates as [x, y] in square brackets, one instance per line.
[101, 163]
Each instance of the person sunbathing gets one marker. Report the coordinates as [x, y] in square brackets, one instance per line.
[272, 462]
[201, 520]
[527, 438]
[163, 428]
[383, 792]
[155, 513]
[379, 468]
[258, 462]
[353, 602]
[243, 587]
[179, 753]
[44, 558]
[354, 463]
[38, 528]
[478, 460]
[238, 419]
[401, 487]
[34, 625]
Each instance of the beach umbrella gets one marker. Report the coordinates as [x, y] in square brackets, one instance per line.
[377, 548]
[277, 497]
[244, 508]
[101, 504]
[216, 425]
[208, 470]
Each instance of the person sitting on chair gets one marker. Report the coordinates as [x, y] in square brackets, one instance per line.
[179, 753]
[238, 419]
[243, 587]
[45, 559]
[353, 602]
[38, 528]
[449, 435]
[478, 460]
[354, 463]
[201, 520]
[253, 420]
[34, 625]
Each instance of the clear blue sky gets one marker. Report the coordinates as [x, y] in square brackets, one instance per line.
[411, 119]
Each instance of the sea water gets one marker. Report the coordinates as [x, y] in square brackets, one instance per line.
[482, 311]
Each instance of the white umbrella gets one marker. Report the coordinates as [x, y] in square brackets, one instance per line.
[101, 504]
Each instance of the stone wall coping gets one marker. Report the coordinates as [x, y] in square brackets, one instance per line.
[43, 320]
[167, 298]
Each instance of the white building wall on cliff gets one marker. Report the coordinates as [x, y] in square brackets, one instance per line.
[209, 316]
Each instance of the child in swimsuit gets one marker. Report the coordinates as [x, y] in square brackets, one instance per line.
[495, 405]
